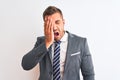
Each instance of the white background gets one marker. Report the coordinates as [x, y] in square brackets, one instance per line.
[21, 23]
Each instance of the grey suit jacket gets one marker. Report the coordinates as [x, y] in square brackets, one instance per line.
[77, 57]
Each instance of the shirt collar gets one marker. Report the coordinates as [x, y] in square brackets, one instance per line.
[65, 37]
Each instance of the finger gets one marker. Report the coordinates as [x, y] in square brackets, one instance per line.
[45, 21]
[50, 25]
[46, 17]
[46, 26]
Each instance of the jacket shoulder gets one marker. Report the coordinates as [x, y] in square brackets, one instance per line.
[41, 37]
[76, 37]
[39, 40]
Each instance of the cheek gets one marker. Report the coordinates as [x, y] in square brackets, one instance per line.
[62, 28]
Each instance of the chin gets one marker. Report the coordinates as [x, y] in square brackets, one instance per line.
[56, 39]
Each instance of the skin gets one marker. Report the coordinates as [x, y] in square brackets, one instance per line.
[53, 28]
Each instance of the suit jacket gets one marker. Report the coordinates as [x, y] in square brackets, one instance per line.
[77, 57]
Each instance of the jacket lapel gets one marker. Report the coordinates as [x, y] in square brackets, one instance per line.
[50, 54]
[69, 50]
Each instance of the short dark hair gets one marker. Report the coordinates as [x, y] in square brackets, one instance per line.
[51, 10]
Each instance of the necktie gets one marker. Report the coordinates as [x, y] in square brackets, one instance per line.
[56, 61]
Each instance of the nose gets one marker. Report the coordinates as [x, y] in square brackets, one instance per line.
[54, 28]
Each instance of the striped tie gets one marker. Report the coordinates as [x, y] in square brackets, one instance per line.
[56, 61]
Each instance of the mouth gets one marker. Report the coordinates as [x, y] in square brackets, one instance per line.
[56, 34]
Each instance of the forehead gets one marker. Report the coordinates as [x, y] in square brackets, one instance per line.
[55, 16]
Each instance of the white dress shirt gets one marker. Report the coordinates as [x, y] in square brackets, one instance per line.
[63, 49]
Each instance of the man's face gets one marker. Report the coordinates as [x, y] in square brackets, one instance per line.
[58, 27]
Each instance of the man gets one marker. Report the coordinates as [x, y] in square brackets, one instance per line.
[59, 53]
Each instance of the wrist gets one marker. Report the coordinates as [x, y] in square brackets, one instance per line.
[48, 44]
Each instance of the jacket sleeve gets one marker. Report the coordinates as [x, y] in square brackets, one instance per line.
[35, 55]
[87, 68]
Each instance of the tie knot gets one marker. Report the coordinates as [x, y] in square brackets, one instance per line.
[57, 42]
